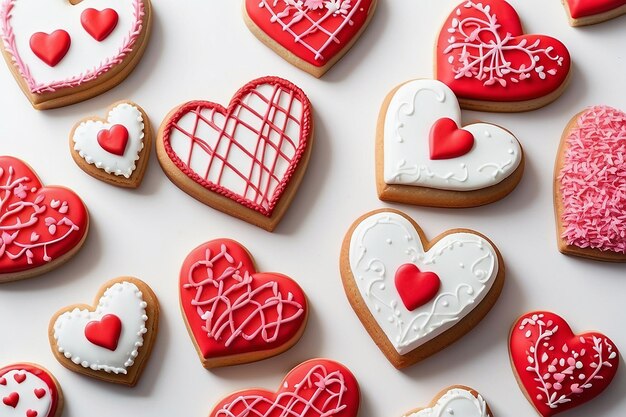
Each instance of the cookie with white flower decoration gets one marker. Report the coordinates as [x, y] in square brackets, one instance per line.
[458, 401]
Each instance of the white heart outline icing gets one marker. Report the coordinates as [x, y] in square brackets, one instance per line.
[466, 278]
[412, 111]
[455, 402]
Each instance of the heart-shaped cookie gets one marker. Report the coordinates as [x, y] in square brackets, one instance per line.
[589, 12]
[113, 340]
[315, 388]
[233, 313]
[557, 369]
[29, 390]
[589, 184]
[484, 56]
[65, 51]
[40, 227]
[469, 266]
[425, 157]
[458, 401]
[311, 34]
[115, 150]
[246, 160]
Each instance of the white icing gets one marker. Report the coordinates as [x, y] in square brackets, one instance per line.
[27, 398]
[466, 264]
[412, 112]
[86, 140]
[125, 301]
[456, 402]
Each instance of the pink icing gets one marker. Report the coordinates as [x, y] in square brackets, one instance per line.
[8, 38]
[593, 181]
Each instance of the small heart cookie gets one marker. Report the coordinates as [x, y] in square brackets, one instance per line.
[379, 246]
[457, 401]
[113, 340]
[29, 390]
[590, 12]
[115, 150]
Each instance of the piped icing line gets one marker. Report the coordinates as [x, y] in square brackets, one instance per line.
[456, 402]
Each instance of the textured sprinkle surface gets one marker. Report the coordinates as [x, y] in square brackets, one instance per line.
[593, 181]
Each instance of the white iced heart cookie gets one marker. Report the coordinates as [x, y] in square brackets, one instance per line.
[458, 401]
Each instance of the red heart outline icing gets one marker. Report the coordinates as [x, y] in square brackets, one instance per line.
[585, 8]
[99, 23]
[250, 311]
[42, 374]
[478, 40]
[557, 369]
[315, 388]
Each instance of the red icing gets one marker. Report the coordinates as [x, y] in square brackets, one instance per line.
[31, 413]
[44, 376]
[271, 121]
[50, 48]
[415, 287]
[37, 224]
[3, 381]
[99, 23]
[315, 388]
[585, 8]
[244, 311]
[313, 30]
[447, 141]
[558, 369]
[105, 332]
[40, 392]
[19, 378]
[12, 399]
[114, 140]
[483, 54]
[592, 181]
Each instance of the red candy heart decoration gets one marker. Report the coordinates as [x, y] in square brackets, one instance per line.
[557, 369]
[50, 48]
[104, 333]
[114, 140]
[99, 23]
[19, 378]
[31, 413]
[30, 391]
[415, 287]
[597, 10]
[40, 392]
[447, 141]
[11, 400]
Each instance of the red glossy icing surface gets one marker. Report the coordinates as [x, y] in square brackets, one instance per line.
[50, 48]
[416, 287]
[38, 372]
[37, 224]
[483, 54]
[230, 308]
[313, 30]
[316, 388]
[104, 332]
[99, 23]
[558, 369]
[584, 8]
[114, 140]
[447, 141]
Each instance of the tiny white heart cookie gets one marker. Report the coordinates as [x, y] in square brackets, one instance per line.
[458, 401]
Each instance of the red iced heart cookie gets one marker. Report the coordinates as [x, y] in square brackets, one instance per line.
[233, 313]
[99, 23]
[588, 12]
[315, 388]
[415, 287]
[114, 140]
[447, 141]
[29, 390]
[557, 369]
[42, 227]
[484, 56]
[50, 48]
[104, 332]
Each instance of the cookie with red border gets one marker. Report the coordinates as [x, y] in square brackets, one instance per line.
[29, 390]
[590, 12]
[457, 400]
[233, 313]
[41, 227]
[64, 52]
[246, 160]
[112, 339]
[116, 149]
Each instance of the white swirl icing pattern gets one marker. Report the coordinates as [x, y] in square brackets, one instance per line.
[413, 110]
[456, 402]
[466, 264]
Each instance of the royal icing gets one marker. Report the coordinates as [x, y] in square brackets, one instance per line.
[558, 369]
[27, 390]
[483, 54]
[248, 151]
[456, 402]
[413, 111]
[88, 143]
[466, 264]
[86, 59]
[586, 8]
[592, 181]
[122, 300]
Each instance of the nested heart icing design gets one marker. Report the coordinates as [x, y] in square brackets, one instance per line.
[26, 390]
[483, 54]
[38, 225]
[585, 8]
[315, 388]
[232, 309]
[558, 369]
[455, 401]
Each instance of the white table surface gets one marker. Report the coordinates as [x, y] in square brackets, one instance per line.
[202, 50]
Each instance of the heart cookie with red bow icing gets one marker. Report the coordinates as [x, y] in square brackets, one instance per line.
[65, 51]
[113, 340]
[40, 227]
[315, 388]
[589, 12]
[115, 150]
[425, 156]
[485, 57]
[311, 34]
[557, 369]
[416, 297]
[457, 400]
[247, 159]
[233, 313]
[29, 390]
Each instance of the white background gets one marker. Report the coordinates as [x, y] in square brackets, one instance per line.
[202, 50]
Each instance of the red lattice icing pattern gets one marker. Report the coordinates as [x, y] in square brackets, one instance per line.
[592, 181]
